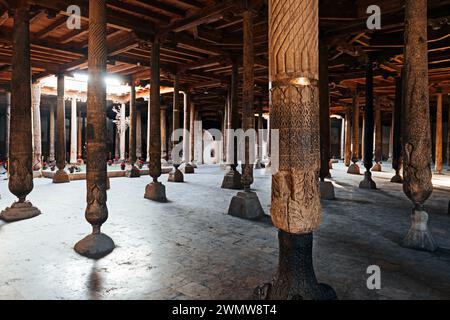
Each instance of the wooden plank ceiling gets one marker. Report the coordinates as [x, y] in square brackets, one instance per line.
[201, 37]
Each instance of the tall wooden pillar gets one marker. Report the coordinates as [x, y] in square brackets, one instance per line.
[7, 123]
[36, 121]
[294, 75]
[378, 137]
[134, 171]
[368, 183]
[51, 156]
[155, 190]
[448, 139]
[73, 131]
[417, 183]
[246, 204]
[20, 153]
[397, 131]
[187, 167]
[233, 179]
[192, 134]
[163, 131]
[176, 175]
[348, 134]
[80, 136]
[438, 155]
[326, 187]
[61, 175]
[97, 244]
[138, 134]
[259, 138]
[354, 168]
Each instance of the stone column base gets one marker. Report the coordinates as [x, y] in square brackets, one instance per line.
[188, 169]
[419, 236]
[19, 211]
[327, 190]
[354, 169]
[61, 176]
[259, 164]
[134, 172]
[376, 167]
[95, 246]
[246, 205]
[155, 191]
[232, 180]
[368, 183]
[175, 176]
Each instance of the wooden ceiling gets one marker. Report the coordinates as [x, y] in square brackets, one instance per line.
[201, 37]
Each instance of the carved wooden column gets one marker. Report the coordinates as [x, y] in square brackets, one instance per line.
[348, 134]
[448, 140]
[259, 138]
[192, 135]
[134, 171]
[80, 136]
[7, 123]
[73, 131]
[246, 204]
[122, 131]
[36, 121]
[51, 157]
[163, 130]
[295, 211]
[417, 138]
[397, 132]
[20, 181]
[342, 138]
[97, 244]
[233, 179]
[354, 168]
[138, 134]
[378, 137]
[148, 130]
[61, 175]
[438, 155]
[187, 167]
[326, 187]
[155, 190]
[176, 175]
[368, 183]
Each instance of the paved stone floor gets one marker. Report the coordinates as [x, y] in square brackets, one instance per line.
[190, 248]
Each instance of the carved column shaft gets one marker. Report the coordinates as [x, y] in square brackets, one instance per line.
[80, 136]
[133, 121]
[186, 136]
[51, 157]
[396, 129]
[73, 131]
[248, 117]
[378, 133]
[138, 134]
[348, 135]
[123, 130]
[20, 151]
[355, 133]
[8, 123]
[192, 132]
[60, 125]
[155, 124]
[438, 155]
[163, 133]
[36, 120]
[176, 114]
[368, 118]
[324, 100]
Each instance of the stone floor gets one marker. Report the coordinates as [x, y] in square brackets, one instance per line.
[190, 248]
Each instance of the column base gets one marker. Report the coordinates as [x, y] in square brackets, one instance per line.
[108, 183]
[376, 167]
[327, 190]
[246, 205]
[259, 165]
[354, 169]
[295, 279]
[193, 164]
[188, 169]
[155, 191]
[232, 180]
[330, 165]
[397, 179]
[134, 172]
[19, 211]
[419, 236]
[368, 183]
[61, 176]
[175, 176]
[95, 246]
